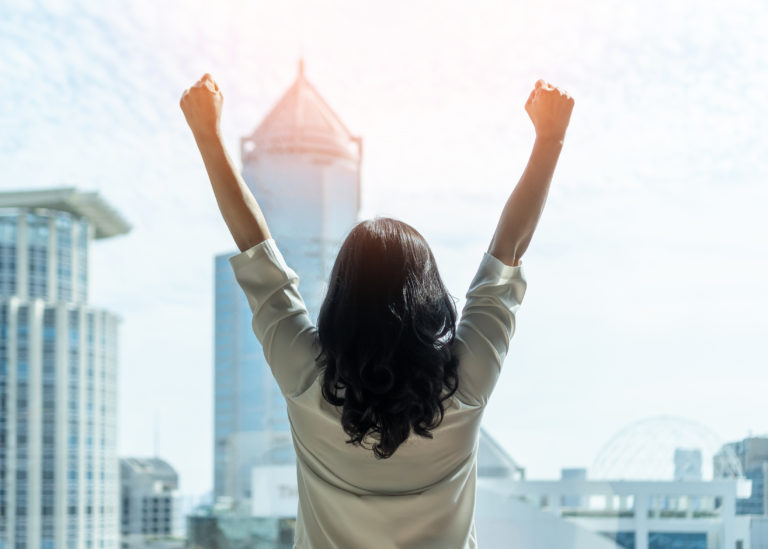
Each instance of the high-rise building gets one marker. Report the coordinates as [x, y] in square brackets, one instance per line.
[148, 505]
[58, 369]
[303, 166]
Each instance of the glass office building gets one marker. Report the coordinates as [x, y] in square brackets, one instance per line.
[303, 165]
[58, 367]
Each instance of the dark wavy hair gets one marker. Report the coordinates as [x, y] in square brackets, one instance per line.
[386, 331]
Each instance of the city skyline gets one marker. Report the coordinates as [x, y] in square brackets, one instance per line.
[647, 275]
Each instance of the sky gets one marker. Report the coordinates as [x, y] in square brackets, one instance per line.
[648, 274]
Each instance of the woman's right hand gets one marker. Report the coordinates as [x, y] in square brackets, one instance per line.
[550, 110]
[201, 105]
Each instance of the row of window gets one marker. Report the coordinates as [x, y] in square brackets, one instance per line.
[37, 254]
[21, 510]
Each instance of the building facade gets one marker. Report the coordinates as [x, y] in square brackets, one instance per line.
[58, 373]
[303, 166]
[752, 452]
[682, 508]
[639, 514]
[148, 504]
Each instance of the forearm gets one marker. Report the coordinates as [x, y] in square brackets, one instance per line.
[524, 207]
[237, 204]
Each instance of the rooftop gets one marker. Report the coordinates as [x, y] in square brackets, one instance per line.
[107, 222]
[302, 121]
[146, 466]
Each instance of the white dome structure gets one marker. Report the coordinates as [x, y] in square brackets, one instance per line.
[648, 450]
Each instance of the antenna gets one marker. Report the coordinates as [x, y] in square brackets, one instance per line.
[300, 13]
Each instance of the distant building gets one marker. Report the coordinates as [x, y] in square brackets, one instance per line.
[752, 452]
[223, 527]
[504, 519]
[571, 474]
[58, 370]
[639, 514]
[759, 532]
[187, 505]
[688, 464]
[680, 511]
[303, 165]
[148, 506]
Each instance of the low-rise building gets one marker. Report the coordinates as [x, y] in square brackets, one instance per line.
[148, 507]
[641, 514]
[224, 526]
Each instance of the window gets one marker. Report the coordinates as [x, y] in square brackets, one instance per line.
[37, 251]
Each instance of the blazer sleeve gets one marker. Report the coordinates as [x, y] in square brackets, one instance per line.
[280, 319]
[486, 327]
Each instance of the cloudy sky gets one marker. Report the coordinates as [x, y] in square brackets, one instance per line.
[648, 277]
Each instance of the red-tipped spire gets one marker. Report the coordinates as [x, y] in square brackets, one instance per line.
[302, 121]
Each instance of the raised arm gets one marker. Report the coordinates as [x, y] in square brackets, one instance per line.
[201, 105]
[550, 110]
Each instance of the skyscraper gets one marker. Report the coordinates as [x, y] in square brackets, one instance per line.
[58, 368]
[303, 166]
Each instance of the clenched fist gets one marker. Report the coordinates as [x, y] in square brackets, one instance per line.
[550, 110]
[201, 105]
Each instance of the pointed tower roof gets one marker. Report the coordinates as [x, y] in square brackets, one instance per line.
[302, 121]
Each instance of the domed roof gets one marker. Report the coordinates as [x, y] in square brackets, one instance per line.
[300, 122]
[645, 450]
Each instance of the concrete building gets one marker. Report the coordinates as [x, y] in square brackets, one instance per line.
[658, 497]
[148, 505]
[758, 531]
[303, 165]
[58, 369]
[639, 514]
[577, 513]
[574, 473]
[687, 464]
[752, 453]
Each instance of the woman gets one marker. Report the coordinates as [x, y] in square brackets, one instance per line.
[386, 395]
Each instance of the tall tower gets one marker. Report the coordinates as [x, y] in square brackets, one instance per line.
[303, 166]
[58, 368]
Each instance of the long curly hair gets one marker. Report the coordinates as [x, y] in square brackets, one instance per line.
[386, 332]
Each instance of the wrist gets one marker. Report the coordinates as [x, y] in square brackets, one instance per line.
[550, 139]
[208, 138]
